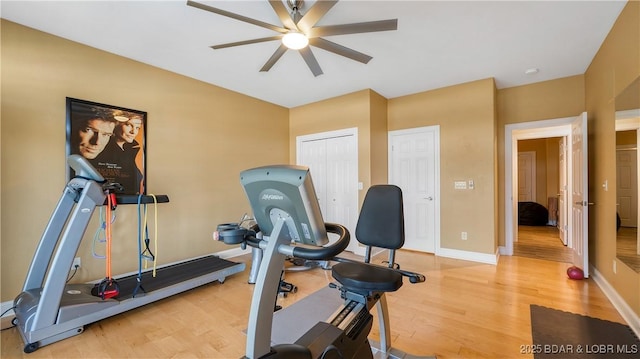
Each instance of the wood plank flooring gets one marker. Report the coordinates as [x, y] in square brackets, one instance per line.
[541, 242]
[463, 310]
[627, 244]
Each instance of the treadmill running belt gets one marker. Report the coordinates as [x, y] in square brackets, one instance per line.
[170, 275]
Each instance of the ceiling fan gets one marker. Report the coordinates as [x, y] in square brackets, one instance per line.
[299, 31]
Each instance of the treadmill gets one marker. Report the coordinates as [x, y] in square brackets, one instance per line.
[49, 310]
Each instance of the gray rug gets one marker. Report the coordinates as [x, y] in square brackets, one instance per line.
[559, 334]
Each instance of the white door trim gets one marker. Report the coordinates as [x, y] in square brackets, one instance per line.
[560, 127]
[436, 185]
[353, 131]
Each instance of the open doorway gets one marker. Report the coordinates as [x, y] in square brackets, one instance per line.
[574, 131]
[541, 206]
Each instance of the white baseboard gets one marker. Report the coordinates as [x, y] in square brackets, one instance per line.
[469, 256]
[5, 320]
[233, 252]
[618, 302]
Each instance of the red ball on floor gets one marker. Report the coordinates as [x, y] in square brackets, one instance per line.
[575, 273]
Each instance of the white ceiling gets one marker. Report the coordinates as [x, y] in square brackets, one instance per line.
[437, 44]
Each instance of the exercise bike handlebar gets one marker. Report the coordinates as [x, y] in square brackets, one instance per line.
[327, 252]
[232, 233]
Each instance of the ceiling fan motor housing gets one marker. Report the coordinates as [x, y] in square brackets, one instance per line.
[295, 5]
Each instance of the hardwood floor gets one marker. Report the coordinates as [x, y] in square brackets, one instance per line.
[463, 310]
[627, 244]
[541, 242]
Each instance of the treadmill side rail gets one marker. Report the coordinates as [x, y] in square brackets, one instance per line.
[51, 296]
[42, 257]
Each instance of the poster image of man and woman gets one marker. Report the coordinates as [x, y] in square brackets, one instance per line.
[111, 139]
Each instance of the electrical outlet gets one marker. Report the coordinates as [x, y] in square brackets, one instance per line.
[76, 263]
[463, 236]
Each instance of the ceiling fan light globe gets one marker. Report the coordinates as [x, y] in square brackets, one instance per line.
[295, 40]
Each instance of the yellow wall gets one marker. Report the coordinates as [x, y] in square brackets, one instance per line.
[626, 137]
[364, 110]
[615, 66]
[545, 100]
[466, 116]
[379, 140]
[199, 138]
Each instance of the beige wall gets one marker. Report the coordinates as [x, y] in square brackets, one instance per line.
[379, 140]
[364, 110]
[466, 116]
[615, 66]
[199, 138]
[553, 166]
[539, 101]
[626, 137]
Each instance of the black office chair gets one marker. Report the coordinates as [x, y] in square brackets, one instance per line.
[380, 225]
[381, 221]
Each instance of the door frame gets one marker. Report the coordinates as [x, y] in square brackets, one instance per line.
[436, 185]
[346, 132]
[559, 127]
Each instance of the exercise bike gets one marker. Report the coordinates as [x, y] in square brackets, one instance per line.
[286, 210]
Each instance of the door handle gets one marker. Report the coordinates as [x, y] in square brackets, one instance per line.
[429, 198]
[584, 203]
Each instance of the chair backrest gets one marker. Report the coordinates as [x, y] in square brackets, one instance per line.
[381, 220]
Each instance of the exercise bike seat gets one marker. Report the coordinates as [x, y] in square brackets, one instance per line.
[366, 278]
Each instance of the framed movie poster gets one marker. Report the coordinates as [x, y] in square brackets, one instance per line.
[113, 139]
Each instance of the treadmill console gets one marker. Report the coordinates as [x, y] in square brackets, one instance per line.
[84, 169]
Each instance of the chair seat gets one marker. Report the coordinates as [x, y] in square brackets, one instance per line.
[361, 277]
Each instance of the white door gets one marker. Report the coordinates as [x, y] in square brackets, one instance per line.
[342, 184]
[314, 153]
[579, 194]
[332, 159]
[527, 176]
[562, 196]
[627, 186]
[414, 167]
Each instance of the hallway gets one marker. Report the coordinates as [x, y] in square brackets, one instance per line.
[541, 242]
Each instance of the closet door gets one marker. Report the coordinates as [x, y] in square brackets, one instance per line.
[332, 159]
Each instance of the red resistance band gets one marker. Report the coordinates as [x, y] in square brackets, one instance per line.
[108, 287]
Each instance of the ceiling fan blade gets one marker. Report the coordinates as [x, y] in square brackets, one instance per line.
[340, 50]
[355, 28]
[247, 42]
[236, 16]
[311, 61]
[315, 13]
[274, 58]
[283, 14]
